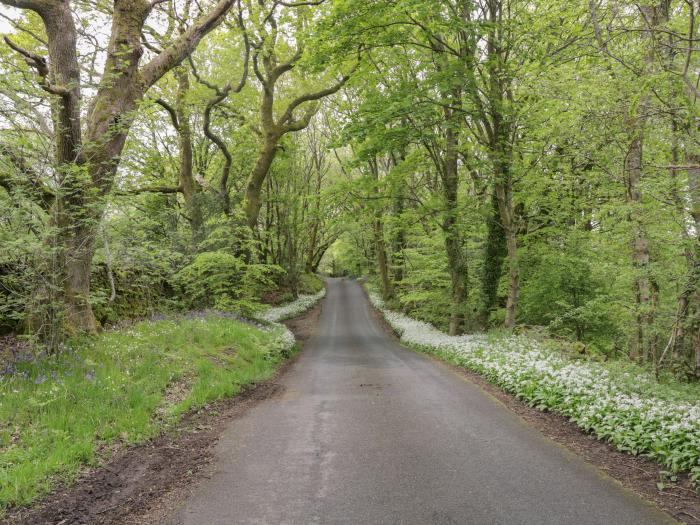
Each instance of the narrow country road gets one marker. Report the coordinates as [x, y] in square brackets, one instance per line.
[366, 432]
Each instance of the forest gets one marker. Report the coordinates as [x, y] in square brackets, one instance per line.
[489, 166]
[493, 164]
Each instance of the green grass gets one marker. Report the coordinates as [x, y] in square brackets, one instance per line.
[124, 386]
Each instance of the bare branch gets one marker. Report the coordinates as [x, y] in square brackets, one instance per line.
[41, 67]
[171, 111]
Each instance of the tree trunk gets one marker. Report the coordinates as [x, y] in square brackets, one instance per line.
[379, 242]
[513, 278]
[640, 247]
[74, 226]
[313, 241]
[642, 344]
[382, 259]
[188, 185]
[253, 200]
[399, 241]
[494, 253]
[70, 240]
[501, 154]
[63, 302]
[507, 212]
[503, 189]
[316, 218]
[453, 240]
[65, 72]
[76, 288]
[693, 258]
[79, 216]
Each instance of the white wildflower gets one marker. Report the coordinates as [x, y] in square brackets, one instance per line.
[285, 338]
[585, 392]
[292, 309]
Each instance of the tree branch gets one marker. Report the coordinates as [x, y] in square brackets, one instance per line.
[37, 6]
[152, 189]
[171, 111]
[286, 118]
[184, 45]
[299, 4]
[41, 67]
[220, 96]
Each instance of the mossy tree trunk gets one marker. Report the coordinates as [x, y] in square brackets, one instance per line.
[379, 241]
[494, 254]
[86, 166]
[456, 257]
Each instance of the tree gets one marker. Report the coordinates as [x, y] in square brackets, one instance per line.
[269, 46]
[87, 148]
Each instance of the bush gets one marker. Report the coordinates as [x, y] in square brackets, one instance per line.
[562, 290]
[222, 280]
[310, 283]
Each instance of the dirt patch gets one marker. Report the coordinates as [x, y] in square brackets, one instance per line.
[140, 484]
[303, 326]
[638, 474]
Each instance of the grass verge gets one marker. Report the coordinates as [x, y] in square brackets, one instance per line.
[123, 387]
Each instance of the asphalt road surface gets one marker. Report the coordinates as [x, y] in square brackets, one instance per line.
[367, 432]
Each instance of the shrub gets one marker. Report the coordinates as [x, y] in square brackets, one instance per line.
[211, 278]
[222, 280]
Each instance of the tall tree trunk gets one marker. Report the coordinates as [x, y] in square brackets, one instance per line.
[398, 242]
[501, 152]
[188, 185]
[74, 231]
[456, 258]
[382, 259]
[494, 253]
[315, 217]
[313, 241]
[693, 257]
[503, 189]
[638, 347]
[642, 342]
[513, 277]
[678, 332]
[379, 242]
